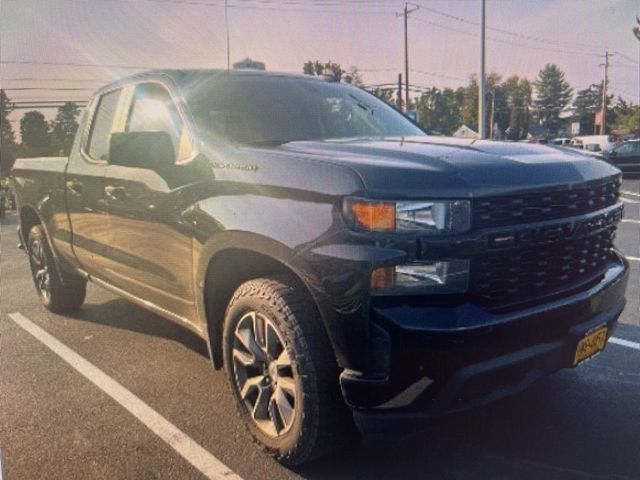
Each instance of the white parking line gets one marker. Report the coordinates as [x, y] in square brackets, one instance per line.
[191, 451]
[625, 343]
[634, 259]
[628, 200]
[630, 193]
[630, 220]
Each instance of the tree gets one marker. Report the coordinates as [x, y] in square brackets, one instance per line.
[496, 105]
[468, 97]
[627, 116]
[352, 76]
[553, 94]
[64, 127]
[313, 68]
[386, 94]
[35, 134]
[469, 103]
[439, 110]
[517, 95]
[7, 136]
[329, 69]
[587, 103]
[247, 63]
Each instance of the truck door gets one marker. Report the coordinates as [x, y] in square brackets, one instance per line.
[84, 183]
[150, 236]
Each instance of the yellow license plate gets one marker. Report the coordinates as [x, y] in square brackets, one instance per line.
[593, 342]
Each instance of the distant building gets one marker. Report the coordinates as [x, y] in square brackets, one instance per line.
[248, 64]
[465, 132]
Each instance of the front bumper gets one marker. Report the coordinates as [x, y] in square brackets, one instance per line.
[442, 359]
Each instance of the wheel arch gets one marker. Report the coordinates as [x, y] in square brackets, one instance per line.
[229, 267]
[28, 219]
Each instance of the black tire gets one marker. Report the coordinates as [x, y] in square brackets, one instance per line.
[59, 291]
[319, 414]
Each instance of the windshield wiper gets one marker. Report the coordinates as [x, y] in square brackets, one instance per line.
[366, 108]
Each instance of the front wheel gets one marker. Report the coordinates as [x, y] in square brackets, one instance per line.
[282, 370]
[59, 291]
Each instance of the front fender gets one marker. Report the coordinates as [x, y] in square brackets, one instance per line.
[289, 232]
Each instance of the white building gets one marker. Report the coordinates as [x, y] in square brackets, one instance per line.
[465, 132]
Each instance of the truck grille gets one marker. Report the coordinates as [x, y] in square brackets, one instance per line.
[536, 207]
[530, 273]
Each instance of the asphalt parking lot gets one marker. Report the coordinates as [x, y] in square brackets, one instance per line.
[177, 419]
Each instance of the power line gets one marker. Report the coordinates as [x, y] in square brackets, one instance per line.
[623, 66]
[58, 79]
[507, 42]
[49, 88]
[508, 32]
[43, 101]
[268, 7]
[438, 75]
[78, 64]
[626, 57]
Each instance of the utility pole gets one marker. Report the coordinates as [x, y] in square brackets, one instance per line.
[636, 32]
[226, 26]
[406, 13]
[482, 129]
[603, 123]
[399, 97]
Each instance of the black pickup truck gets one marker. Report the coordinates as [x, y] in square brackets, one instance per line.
[328, 250]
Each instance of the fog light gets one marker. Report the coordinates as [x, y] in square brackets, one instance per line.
[441, 276]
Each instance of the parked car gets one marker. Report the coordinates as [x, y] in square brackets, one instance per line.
[561, 141]
[625, 156]
[341, 264]
[603, 142]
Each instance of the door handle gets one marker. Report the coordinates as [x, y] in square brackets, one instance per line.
[115, 193]
[74, 187]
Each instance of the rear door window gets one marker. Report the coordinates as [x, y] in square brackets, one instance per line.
[102, 125]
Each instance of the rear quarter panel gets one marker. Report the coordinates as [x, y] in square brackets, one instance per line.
[39, 185]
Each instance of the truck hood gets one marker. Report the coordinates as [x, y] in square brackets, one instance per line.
[448, 167]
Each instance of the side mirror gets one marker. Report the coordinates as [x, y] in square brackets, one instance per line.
[612, 153]
[150, 150]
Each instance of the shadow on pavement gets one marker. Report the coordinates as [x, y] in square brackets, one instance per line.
[122, 314]
[567, 427]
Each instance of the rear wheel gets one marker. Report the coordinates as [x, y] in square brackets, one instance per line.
[59, 291]
[282, 370]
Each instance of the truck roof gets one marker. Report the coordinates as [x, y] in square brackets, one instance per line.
[182, 77]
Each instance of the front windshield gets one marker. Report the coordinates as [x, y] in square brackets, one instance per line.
[276, 110]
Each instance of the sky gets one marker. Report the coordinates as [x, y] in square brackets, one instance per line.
[444, 44]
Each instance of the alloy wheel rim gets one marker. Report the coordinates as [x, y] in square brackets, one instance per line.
[264, 374]
[41, 273]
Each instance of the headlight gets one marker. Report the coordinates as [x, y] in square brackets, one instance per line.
[427, 217]
[424, 277]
